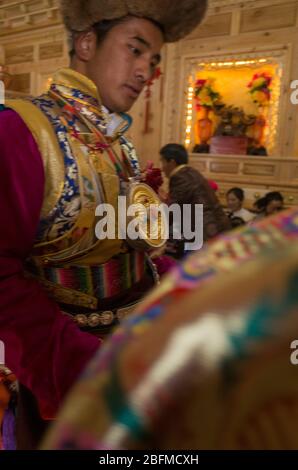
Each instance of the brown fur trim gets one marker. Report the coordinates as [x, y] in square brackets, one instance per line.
[178, 17]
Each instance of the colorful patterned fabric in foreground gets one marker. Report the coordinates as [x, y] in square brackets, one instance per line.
[207, 362]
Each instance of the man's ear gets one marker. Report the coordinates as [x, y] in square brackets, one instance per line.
[85, 45]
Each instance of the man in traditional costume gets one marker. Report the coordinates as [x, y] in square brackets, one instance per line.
[63, 154]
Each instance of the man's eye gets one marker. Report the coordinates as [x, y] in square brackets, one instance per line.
[135, 50]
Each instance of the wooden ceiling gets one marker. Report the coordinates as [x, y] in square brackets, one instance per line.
[22, 16]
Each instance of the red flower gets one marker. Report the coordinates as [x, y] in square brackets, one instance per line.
[264, 75]
[200, 83]
[157, 73]
[213, 185]
[155, 76]
[152, 176]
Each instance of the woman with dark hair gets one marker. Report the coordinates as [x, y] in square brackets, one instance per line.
[269, 204]
[235, 198]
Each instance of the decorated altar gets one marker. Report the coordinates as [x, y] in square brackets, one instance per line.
[232, 105]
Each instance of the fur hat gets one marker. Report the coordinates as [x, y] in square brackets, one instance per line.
[177, 17]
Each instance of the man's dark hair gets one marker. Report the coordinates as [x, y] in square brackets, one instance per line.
[262, 203]
[102, 28]
[238, 192]
[175, 152]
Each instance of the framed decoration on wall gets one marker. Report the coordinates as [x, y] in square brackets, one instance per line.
[232, 104]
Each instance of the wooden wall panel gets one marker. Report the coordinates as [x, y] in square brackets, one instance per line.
[271, 17]
[18, 55]
[224, 167]
[50, 50]
[215, 25]
[21, 83]
[259, 170]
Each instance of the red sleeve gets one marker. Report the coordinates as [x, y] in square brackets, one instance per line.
[43, 347]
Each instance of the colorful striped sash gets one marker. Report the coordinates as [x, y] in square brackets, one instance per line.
[85, 286]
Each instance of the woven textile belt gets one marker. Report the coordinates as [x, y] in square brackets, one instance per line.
[86, 286]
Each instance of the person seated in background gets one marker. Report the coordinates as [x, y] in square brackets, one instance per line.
[188, 186]
[235, 199]
[269, 204]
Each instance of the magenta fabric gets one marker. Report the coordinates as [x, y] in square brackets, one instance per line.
[43, 347]
[164, 264]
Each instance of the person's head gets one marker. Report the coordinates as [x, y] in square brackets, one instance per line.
[117, 43]
[172, 156]
[119, 56]
[271, 203]
[235, 198]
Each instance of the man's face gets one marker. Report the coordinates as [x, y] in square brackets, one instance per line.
[125, 61]
[167, 166]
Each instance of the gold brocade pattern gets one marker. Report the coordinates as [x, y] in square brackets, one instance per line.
[70, 78]
[48, 146]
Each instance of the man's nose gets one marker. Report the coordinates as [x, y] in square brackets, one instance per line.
[143, 70]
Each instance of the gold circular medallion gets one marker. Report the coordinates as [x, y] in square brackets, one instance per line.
[146, 218]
